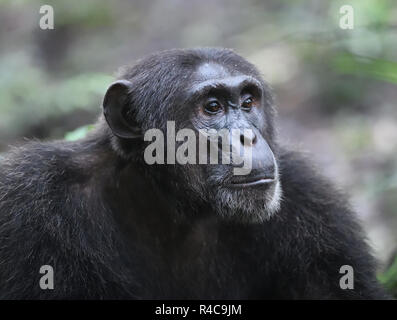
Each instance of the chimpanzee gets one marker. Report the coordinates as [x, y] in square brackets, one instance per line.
[113, 226]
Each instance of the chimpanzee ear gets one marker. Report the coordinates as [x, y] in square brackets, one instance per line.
[115, 105]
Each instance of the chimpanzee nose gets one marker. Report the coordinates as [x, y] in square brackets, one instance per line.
[248, 138]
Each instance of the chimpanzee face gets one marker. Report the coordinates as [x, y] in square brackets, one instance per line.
[233, 102]
[224, 103]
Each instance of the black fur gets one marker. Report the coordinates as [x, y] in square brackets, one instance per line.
[113, 227]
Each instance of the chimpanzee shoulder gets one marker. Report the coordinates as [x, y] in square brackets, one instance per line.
[320, 233]
[51, 213]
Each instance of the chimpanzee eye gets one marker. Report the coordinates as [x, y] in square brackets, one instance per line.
[247, 104]
[213, 107]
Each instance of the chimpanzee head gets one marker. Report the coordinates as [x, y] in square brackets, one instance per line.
[189, 97]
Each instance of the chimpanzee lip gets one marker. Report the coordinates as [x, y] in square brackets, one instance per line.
[251, 181]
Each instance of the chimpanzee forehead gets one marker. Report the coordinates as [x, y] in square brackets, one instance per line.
[210, 74]
[211, 70]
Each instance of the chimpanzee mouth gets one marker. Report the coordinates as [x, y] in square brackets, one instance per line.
[246, 182]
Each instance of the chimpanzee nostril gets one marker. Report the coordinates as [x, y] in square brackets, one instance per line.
[242, 140]
[248, 138]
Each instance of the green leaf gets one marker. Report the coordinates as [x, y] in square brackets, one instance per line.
[79, 133]
[389, 278]
[371, 67]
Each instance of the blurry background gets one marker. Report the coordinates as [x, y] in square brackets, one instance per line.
[336, 89]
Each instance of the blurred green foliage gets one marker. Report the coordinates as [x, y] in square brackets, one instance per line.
[78, 133]
[389, 278]
[363, 66]
[29, 96]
